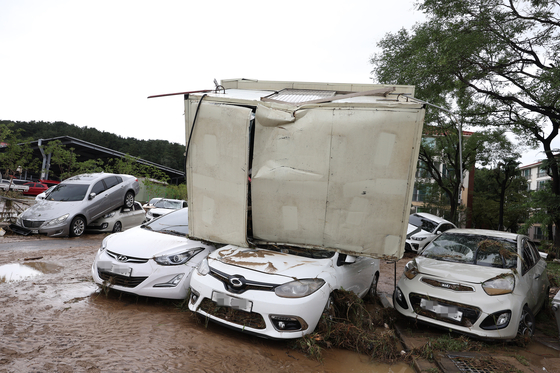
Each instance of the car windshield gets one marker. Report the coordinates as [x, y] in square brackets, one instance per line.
[68, 192]
[422, 223]
[167, 204]
[176, 222]
[473, 249]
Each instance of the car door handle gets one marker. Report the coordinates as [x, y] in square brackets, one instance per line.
[537, 276]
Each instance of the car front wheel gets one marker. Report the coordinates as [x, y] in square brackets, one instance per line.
[526, 323]
[129, 199]
[117, 227]
[77, 226]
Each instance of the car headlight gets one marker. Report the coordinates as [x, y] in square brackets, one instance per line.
[203, 268]
[57, 221]
[502, 284]
[176, 259]
[104, 244]
[19, 220]
[149, 214]
[411, 269]
[299, 288]
[415, 238]
[109, 215]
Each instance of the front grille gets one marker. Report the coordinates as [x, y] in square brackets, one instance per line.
[125, 281]
[33, 223]
[469, 317]
[247, 319]
[244, 283]
[447, 285]
[129, 259]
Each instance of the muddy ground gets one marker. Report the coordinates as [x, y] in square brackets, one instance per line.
[57, 320]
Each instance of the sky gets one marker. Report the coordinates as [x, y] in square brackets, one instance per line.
[94, 63]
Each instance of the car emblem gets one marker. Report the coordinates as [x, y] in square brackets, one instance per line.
[236, 282]
[122, 258]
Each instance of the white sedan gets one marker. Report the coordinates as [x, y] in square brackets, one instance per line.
[423, 228]
[119, 220]
[164, 206]
[485, 283]
[154, 260]
[279, 292]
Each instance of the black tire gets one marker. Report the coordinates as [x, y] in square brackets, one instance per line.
[117, 227]
[526, 323]
[77, 227]
[372, 292]
[129, 199]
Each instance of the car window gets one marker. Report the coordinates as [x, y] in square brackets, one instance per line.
[68, 192]
[473, 249]
[98, 188]
[445, 227]
[423, 223]
[529, 259]
[137, 206]
[167, 204]
[111, 181]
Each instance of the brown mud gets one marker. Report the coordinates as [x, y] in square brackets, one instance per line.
[58, 320]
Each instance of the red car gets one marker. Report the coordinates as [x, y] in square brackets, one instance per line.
[35, 188]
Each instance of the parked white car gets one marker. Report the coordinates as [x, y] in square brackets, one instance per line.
[277, 293]
[5, 185]
[151, 203]
[154, 260]
[423, 228]
[480, 282]
[119, 219]
[164, 206]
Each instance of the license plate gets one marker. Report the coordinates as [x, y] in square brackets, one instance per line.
[450, 312]
[225, 300]
[117, 269]
[35, 231]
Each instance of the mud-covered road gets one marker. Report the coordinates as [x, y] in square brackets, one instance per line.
[53, 318]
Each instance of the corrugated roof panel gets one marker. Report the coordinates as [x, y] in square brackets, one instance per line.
[300, 95]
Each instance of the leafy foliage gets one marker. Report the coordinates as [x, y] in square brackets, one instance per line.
[157, 151]
[17, 155]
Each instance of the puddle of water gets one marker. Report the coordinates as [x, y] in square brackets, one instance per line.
[18, 272]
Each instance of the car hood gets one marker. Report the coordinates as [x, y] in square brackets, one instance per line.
[457, 272]
[160, 211]
[47, 210]
[143, 243]
[270, 262]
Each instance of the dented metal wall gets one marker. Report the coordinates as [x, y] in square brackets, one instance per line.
[337, 176]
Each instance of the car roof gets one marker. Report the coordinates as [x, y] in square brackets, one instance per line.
[87, 178]
[435, 218]
[485, 232]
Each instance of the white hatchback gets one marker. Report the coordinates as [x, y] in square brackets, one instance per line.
[423, 228]
[279, 292]
[474, 281]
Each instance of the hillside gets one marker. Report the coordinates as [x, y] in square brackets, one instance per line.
[159, 151]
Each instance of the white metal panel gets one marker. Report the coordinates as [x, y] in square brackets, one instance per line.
[339, 179]
[217, 172]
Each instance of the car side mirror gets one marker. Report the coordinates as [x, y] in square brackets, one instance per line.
[350, 259]
[92, 196]
[439, 232]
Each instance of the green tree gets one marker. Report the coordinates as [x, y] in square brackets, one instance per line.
[494, 62]
[16, 155]
[500, 196]
[67, 161]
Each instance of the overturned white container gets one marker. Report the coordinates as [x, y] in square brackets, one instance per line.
[307, 164]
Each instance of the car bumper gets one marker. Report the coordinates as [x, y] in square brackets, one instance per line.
[441, 307]
[264, 312]
[55, 231]
[147, 279]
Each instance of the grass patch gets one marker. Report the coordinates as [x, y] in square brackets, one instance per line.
[447, 343]
[349, 325]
